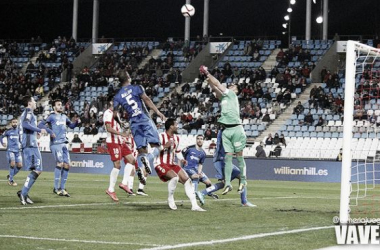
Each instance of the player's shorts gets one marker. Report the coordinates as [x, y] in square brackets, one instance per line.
[190, 172]
[32, 159]
[219, 167]
[60, 153]
[162, 169]
[14, 156]
[144, 133]
[118, 151]
[234, 139]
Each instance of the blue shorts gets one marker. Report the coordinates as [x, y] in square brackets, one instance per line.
[219, 167]
[14, 156]
[193, 171]
[32, 159]
[144, 133]
[60, 153]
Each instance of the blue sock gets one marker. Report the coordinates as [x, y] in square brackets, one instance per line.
[243, 196]
[195, 183]
[32, 177]
[57, 176]
[213, 188]
[16, 170]
[64, 174]
[11, 173]
[155, 152]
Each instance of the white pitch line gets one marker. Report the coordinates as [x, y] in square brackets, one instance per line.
[144, 202]
[80, 241]
[247, 237]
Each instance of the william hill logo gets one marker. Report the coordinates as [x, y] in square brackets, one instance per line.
[300, 171]
[87, 164]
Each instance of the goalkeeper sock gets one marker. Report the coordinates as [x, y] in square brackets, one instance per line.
[228, 169]
[243, 170]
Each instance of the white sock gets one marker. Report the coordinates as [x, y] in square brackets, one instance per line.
[113, 179]
[127, 172]
[141, 186]
[172, 184]
[189, 189]
[130, 181]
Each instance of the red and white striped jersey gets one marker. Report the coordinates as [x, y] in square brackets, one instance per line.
[109, 119]
[167, 156]
[131, 144]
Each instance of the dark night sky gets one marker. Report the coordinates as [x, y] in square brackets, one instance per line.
[162, 18]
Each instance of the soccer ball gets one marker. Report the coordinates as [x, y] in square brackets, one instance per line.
[188, 10]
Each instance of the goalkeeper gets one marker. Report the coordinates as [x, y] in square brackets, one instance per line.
[233, 135]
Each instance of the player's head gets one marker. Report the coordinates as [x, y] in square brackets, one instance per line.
[200, 139]
[57, 106]
[29, 102]
[126, 80]
[171, 126]
[110, 101]
[234, 88]
[14, 123]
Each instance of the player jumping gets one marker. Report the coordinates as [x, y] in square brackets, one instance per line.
[219, 166]
[133, 99]
[233, 136]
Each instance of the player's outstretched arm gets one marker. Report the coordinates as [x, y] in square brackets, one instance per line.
[212, 80]
[148, 102]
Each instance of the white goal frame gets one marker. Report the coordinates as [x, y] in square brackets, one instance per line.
[351, 51]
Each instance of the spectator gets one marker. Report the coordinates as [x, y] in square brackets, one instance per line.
[339, 157]
[282, 140]
[208, 134]
[299, 109]
[276, 139]
[87, 129]
[94, 130]
[308, 120]
[269, 140]
[260, 152]
[320, 121]
[276, 152]
[76, 139]
[266, 117]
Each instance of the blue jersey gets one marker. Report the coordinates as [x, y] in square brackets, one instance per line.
[28, 129]
[58, 124]
[129, 97]
[219, 153]
[194, 157]
[13, 139]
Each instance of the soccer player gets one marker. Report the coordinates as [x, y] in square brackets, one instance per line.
[32, 157]
[58, 122]
[129, 181]
[195, 157]
[117, 148]
[13, 151]
[233, 136]
[170, 172]
[133, 99]
[219, 166]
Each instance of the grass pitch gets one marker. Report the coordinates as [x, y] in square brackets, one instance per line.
[90, 220]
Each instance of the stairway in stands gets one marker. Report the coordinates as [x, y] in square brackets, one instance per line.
[280, 120]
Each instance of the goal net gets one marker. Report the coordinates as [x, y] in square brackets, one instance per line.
[360, 180]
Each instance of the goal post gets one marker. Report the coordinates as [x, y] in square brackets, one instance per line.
[354, 50]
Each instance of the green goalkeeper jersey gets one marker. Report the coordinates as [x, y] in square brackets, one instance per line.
[230, 108]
